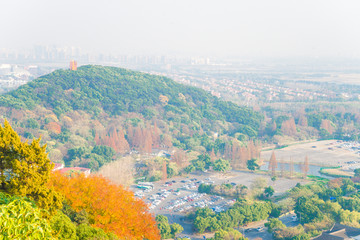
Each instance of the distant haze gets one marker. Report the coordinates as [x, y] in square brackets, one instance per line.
[247, 28]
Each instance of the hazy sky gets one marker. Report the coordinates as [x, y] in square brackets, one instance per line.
[278, 28]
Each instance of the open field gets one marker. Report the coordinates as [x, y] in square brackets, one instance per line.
[338, 172]
[322, 153]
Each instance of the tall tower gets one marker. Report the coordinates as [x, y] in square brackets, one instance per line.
[73, 65]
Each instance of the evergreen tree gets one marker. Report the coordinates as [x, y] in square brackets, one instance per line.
[25, 169]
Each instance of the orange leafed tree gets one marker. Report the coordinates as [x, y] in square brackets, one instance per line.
[109, 206]
[138, 139]
[113, 139]
[288, 127]
[327, 125]
[252, 150]
[97, 139]
[244, 157]
[167, 141]
[156, 136]
[123, 144]
[179, 157]
[53, 127]
[306, 166]
[234, 155]
[147, 142]
[273, 164]
[212, 155]
[164, 171]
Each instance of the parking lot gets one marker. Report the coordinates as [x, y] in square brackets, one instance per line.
[177, 196]
[181, 196]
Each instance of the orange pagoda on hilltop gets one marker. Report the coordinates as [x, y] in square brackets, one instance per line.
[73, 65]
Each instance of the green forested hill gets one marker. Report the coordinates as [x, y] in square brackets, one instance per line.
[96, 114]
[116, 90]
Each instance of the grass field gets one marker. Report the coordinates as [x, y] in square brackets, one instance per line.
[336, 172]
[321, 153]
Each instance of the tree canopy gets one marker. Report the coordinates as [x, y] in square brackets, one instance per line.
[31, 197]
[109, 206]
[25, 169]
[117, 91]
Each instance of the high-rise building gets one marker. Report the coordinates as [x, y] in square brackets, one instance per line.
[73, 65]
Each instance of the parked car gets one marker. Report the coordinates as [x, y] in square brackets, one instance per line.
[260, 229]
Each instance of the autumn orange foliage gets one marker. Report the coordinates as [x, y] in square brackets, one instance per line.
[241, 154]
[53, 127]
[288, 127]
[327, 125]
[113, 139]
[110, 206]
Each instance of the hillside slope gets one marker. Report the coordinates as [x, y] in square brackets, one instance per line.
[97, 114]
[116, 90]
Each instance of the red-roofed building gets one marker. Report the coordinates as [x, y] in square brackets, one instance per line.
[58, 166]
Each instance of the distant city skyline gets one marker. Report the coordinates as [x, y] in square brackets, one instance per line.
[55, 54]
[231, 28]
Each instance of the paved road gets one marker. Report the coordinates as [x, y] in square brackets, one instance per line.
[289, 220]
[253, 233]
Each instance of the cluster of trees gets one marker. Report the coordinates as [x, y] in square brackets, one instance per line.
[241, 213]
[158, 168]
[116, 91]
[126, 110]
[288, 127]
[25, 169]
[281, 232]
[228, 234]
[274, 167]
[203, 162]
[168, 230]
[240, 155]
[114, 139]
[318, 206]
[36, 203]
[339, 121]
[258, 190]
[22, 219]
[226, 189]
[108, 206]
[142, 139]
[91, 157]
